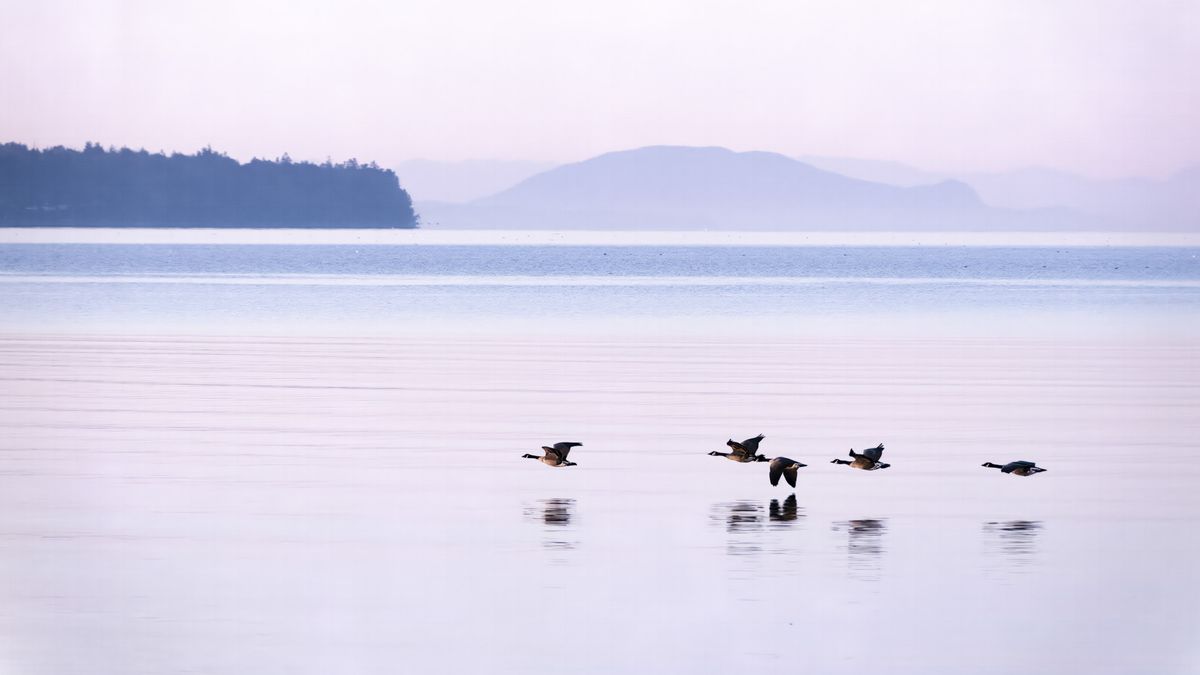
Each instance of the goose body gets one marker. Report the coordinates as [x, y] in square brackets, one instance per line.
[1017, 468]
[782, 466]
[555, 456]
[746, 451]
[867, 460]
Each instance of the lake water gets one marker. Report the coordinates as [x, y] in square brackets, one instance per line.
[306, 459]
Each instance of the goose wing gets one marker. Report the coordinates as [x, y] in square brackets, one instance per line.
[1013, 466]
[790, 474]
[776, 469]
[751, 444]
[738, 448]
[783, 466]
[563, 449]
[551, 453]
[873, 454]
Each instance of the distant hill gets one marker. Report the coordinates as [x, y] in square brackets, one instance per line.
[1123, 203]
[95, 187]
[429, 180]
[876, 171]
[670, 187]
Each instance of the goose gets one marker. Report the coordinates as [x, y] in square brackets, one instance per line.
[746, 451]
[555, 456]
[782, 466]
[867, 460]
[1017, 468]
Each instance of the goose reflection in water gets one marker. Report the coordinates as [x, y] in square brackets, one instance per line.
[557, 511]
[747, 516]
[1015, 541]
[748, 524]
[741, 519]
[786, 513]
[864, 546]
[556, 515]
[742, 516]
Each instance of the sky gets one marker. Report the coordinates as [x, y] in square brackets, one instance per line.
[1101, 88]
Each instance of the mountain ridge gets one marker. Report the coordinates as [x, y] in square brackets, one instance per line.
[685, 187]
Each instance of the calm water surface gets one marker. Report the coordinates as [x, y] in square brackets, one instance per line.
[386, 290]
[307, 459]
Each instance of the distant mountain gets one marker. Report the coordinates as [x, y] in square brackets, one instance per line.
[429, 180]
[94, 187]
[1126, 203]
[877, 171]
[670, 187]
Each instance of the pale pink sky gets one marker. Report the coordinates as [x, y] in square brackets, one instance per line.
[1100, 88]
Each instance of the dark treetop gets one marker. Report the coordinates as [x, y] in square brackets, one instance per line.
[126, 188]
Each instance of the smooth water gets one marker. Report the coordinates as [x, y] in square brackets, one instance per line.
[373, 290]
[250, 459]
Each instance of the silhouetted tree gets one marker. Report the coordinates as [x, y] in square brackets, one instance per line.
[125, 188]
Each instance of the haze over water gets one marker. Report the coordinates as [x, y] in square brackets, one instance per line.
[233, 459]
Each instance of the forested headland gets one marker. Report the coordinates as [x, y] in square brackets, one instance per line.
[94, 187]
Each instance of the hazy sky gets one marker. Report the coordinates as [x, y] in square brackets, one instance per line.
[1102, 88]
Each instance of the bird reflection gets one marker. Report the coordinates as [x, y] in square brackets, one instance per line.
[740, 519]
[1015, 541]
[555, 515]
[557, 511]
[864, 546]
[746, 522]
[783, 513]
[743, 516]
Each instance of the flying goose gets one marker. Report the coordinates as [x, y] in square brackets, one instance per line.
[746, 451]
[1017, 468]
[782, 466]
[556, 456]
[867, 460]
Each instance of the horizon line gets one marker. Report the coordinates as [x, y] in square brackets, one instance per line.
[941, 174]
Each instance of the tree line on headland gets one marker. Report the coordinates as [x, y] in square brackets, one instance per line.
[95, 187]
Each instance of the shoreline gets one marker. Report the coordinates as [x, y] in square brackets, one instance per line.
[427, 237]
